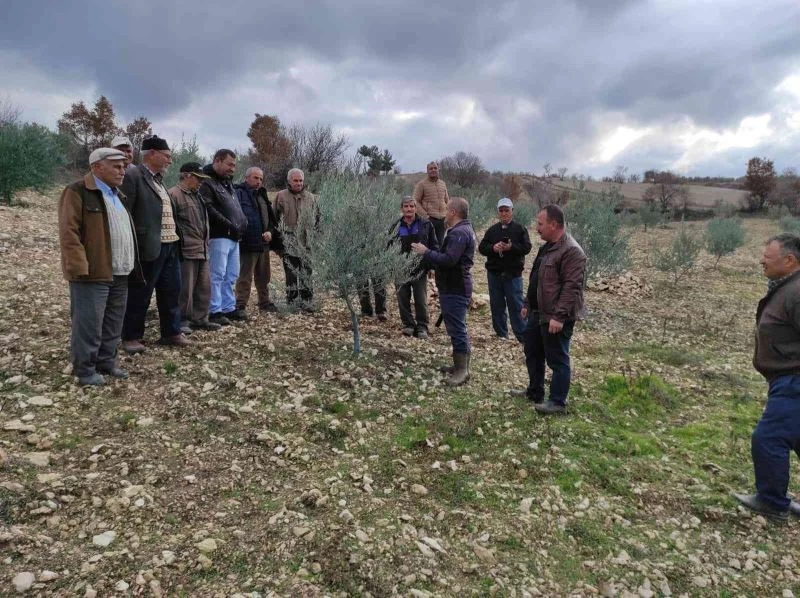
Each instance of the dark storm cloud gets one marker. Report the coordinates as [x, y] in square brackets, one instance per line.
[520, 83]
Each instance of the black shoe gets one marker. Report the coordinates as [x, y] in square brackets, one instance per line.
[550, 408]
[408, 331]
[237, 315]
[205, 325]
[794, 508]
[219, 318]
[269, 307]
[115, 372]
[382, 317]
[522, 393]
[754, 503]
[421, 333]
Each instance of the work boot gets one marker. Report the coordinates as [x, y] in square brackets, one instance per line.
[132, 347]
[176, 341]
[460, 372]
[205, 324]
[754, 503]
[93, 380]
[448, 369]
[550, 408]
[794, 508]
[408, 331]
[219, 318]
[114, 372]
[239, 314]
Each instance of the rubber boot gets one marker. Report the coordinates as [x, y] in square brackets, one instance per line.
[461, 370]
[448, 369]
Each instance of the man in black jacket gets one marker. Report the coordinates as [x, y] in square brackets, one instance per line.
[153, 216]
[259, 236]
[505, 246]
[226, 223]
[411, 228]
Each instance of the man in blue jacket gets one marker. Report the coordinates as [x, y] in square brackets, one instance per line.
[454, 279]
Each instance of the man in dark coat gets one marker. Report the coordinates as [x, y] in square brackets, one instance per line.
[159, 251]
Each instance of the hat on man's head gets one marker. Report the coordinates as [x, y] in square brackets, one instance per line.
[120, 140]
[194, 168]
[505, 203]
[155, 143]
[106, 153]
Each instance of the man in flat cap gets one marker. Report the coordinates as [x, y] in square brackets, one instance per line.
[154, 220]
[98, 252]
[191, 218]
[123, 144]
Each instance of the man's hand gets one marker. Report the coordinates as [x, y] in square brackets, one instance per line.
[524, 312]
[501, 247]
[431, 275]
[555, 326]
[418, 248]
[267, 236]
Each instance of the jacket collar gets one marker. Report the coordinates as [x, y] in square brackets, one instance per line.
[88, 180]
[783, 281]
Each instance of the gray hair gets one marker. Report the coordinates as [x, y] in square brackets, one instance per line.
[432, 163]
[789, 244]
[407, 199]
[251, 170]
[460, 206]
[294, 171]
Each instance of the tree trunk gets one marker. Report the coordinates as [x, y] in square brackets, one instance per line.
[354, 319]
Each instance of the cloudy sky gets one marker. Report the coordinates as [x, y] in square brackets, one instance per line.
[697, 86]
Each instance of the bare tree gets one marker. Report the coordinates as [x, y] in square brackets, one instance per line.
[463, 169]
[9, 113]
[620, 174]
[562, 172]
[317, 148]
[548, 169]
[667, 192]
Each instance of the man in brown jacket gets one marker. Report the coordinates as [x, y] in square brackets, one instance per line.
[553, 304]
[777, 358]
[431, 196]
[98, 252]
[297, 208]
[191, 219]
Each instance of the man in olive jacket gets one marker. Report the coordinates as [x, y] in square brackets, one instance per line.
[552, 306]
[777, 358]
[98, 252]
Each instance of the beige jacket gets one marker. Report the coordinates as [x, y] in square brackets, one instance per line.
[291, 207]
[431, 197]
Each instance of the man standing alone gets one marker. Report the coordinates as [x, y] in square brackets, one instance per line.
[553, 304]
[778, 360]
[98, 252]
[454, 279]
[227, 223]
[431, 197]
[505, 246]
[257, 238]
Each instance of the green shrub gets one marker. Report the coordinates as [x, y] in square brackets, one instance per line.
[524, 213]
[29, 157]
[650, 215]
[789, 224]
[593, 221]
[680, 257]
[723, 237]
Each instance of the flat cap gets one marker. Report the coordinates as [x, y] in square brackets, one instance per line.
[120, 140]
[106, 153]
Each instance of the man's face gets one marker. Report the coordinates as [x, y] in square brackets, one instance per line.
[111, 172]
[254, 180]
[296, 183]
[433, 171]
[451, 217]
[547, 229]
[225, 167]
[160, 160]
[505, 214]
[775, 264]
[193, 182]
[127, 150]
[409, 210]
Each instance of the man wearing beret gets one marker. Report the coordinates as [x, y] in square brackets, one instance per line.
[98, 252]
[153, 218]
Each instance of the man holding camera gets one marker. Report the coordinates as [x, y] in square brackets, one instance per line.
[505, 246]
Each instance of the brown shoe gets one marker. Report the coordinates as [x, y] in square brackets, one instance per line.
[178, 341]
[132, 347]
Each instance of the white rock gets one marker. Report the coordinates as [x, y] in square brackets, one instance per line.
[144, 421]
[104, 539]
[419, 489]
[46, 576]
[90, 592]
[787, 593]
[16, 425]
[362, 535]
[40, 401]
[525, 505]
[300, 531]
[701, 581]
[434, 543]
[346, 516]
[425, 550]
[168, 557]
[40, 459]
[121, 586]
[484, 554]
[23, 581]
[207, 545]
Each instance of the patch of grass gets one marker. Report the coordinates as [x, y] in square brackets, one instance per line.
[647, 395]
[170, 367]
[411, 435]
[68, 441]
[335, 436]
[674, 356]
[454, 488]
[126, 418]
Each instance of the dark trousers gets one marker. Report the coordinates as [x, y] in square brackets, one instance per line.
[164, 276]
[253, 266]
[195, 290]
[298, 279]
[553, 349]
[96, 310]
[454, 312]
[506, 292]
[776, 435]
[439, 227]
[419, 290]
[379, 289]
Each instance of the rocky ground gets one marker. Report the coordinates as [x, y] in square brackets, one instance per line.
[266, 460]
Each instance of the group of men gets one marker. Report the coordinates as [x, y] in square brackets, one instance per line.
[198, 246]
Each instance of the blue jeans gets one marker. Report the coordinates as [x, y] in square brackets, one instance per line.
[163, 275]
[553, 349]
[454, 311]
[506, 292]
[776, 435]
[223, 257]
